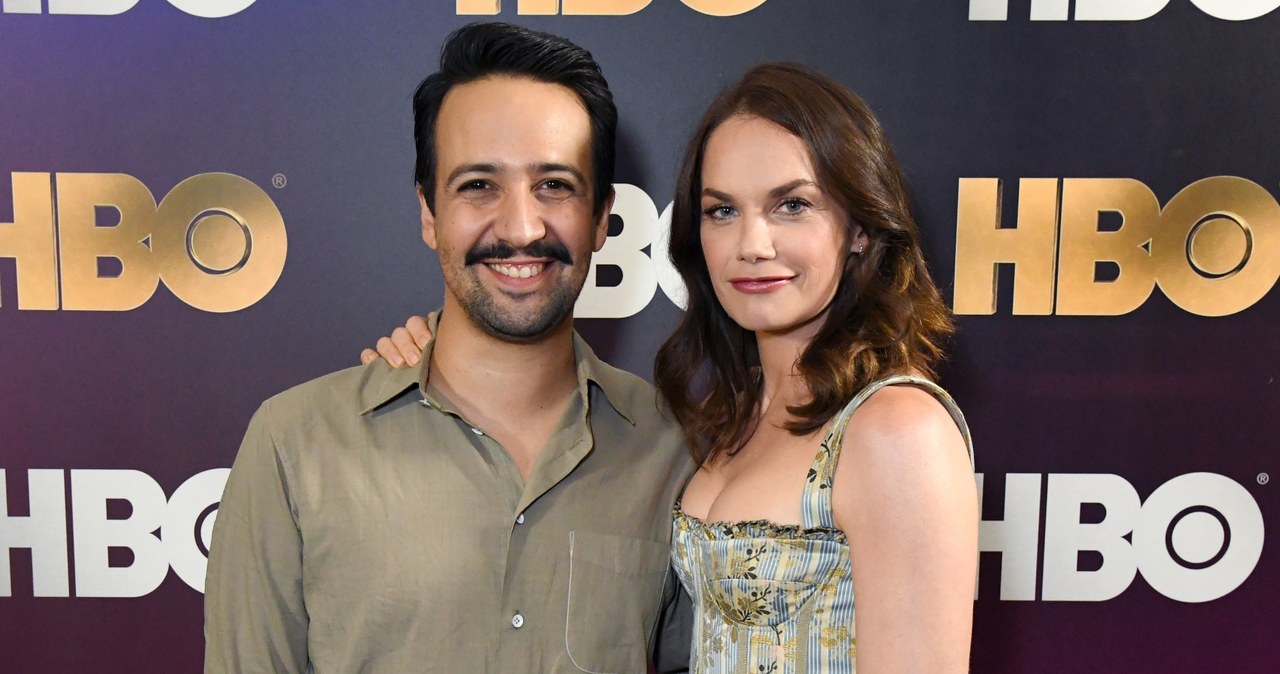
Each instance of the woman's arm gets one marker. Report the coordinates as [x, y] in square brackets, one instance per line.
[905, 496]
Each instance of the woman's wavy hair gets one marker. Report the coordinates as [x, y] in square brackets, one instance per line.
[887, 316]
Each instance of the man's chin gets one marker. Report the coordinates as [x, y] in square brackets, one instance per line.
[521, 334]
[519, 317]
[520, 328]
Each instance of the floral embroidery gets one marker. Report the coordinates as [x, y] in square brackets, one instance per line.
[745, 566]
[834, 636]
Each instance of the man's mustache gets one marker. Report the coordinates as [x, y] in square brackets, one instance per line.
[502, 250]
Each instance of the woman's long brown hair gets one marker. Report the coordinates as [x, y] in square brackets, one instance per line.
[887, 316]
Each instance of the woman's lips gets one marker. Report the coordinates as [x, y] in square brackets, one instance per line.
[762, 284]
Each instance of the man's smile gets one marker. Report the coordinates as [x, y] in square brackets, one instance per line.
[517, 270]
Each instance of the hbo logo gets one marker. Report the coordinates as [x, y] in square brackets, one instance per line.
[1213, 249]
[1118, 10]
[216, 240]
[160, 533]
[1196, 538]
[601, 7]
[634, 277]
[209, 9]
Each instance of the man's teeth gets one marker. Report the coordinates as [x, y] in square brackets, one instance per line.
[518, 270]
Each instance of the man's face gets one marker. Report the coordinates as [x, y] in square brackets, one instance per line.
[513, 223]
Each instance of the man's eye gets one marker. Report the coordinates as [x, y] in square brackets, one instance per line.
[473, 185]
[557, 185]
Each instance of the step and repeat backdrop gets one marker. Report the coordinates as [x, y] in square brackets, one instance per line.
[204, 202]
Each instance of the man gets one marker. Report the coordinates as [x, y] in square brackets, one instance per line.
[505, 507]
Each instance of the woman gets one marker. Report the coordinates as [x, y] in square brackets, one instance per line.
[830, 465]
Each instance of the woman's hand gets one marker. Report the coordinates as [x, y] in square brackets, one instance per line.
[404, 347]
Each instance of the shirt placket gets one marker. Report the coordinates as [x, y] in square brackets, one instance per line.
[566, 448]
[562, 453]
[507, 487]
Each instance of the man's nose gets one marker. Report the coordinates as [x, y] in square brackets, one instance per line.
[521, 221]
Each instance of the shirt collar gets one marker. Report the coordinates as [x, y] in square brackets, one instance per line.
[610, 380]
[383, 383]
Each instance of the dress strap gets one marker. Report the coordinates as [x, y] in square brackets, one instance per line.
[817, 510]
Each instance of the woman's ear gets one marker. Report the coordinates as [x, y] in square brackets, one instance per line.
[859, 241]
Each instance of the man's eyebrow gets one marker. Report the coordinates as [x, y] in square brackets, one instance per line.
[470, 168]
[560, 168]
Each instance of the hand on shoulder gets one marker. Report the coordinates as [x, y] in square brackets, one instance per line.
[403, 347]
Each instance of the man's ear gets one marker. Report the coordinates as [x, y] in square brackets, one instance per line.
[602, 220]
[428, 221]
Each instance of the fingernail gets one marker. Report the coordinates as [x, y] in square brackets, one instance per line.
[413, 360]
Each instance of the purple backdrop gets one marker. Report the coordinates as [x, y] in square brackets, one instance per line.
[1117, 366]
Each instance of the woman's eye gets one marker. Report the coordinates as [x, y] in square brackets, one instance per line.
[794, 206]
[720, 212]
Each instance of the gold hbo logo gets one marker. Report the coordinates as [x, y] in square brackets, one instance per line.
[99, 242]
[599, 7]
[1100, 246]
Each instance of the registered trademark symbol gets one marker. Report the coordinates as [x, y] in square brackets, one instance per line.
[279, 181]
[1263, 478]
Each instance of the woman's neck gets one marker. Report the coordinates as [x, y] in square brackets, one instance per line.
[779, 355]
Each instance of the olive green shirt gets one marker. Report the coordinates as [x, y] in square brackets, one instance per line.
[367, 526]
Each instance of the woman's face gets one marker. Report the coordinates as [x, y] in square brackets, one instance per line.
[774, 242]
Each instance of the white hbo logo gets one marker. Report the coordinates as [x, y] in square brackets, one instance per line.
[642, 275]
[209, 9]
[1197, 537]
[1118, 10]
[212, 9]
[1197, 553]
[160, 533]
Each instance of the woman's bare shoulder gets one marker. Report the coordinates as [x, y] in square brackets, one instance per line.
[902, 416]
[902, 449]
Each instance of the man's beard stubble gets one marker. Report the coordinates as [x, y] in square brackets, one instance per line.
[482, 309]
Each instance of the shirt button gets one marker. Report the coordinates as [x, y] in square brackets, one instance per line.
[520, 518]
[517, 621]
[425, 402]
[477, 431]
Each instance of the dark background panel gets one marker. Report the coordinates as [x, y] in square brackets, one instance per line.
[318, 93]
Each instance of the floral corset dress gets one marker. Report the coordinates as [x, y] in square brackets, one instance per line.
[772, 599]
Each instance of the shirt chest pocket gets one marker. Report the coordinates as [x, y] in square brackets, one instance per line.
[615, 592]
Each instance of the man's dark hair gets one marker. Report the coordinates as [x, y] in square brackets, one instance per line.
[481, 50]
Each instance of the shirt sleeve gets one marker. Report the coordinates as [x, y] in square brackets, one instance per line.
[255, 619]
[675, 629]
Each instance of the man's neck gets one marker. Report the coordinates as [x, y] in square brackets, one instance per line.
[516, 392]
